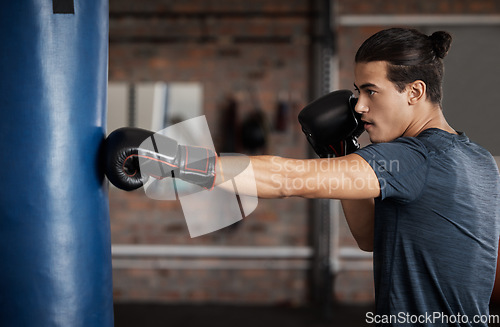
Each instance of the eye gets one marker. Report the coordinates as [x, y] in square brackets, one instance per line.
[356, 90]
[370, 92]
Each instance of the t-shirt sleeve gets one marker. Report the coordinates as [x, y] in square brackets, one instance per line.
[401, 167]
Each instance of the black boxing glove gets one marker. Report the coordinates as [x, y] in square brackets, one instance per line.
[131, 155]
[331, 125]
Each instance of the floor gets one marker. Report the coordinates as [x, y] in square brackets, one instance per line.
[156, 315]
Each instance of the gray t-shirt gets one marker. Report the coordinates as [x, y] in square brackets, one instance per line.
[437, 225]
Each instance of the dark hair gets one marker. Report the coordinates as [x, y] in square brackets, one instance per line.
[411, 55]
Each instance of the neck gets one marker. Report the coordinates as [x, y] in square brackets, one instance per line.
[432, 118]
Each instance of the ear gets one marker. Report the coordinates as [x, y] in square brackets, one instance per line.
[416, 92]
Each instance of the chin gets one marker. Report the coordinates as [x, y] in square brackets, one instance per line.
[374, 139]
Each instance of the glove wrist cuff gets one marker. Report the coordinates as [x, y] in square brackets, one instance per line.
[197, 165]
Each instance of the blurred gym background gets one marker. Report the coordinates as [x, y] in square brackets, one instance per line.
[249, 67]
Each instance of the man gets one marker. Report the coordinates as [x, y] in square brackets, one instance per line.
[433, 225]
[432, 219]
[422, 197]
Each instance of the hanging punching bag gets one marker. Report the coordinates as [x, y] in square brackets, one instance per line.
[55, 253]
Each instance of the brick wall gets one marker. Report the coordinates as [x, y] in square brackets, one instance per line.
[231, 55]
[232, 47]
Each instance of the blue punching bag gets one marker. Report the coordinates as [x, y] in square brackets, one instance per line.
[55, 251]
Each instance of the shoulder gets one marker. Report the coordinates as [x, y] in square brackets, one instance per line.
[403, 148]
[401, 167]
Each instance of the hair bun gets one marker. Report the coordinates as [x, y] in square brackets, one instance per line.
[441, 43]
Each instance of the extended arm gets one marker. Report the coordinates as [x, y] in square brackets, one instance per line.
[348, 177]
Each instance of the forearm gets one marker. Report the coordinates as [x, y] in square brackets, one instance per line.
[254, 175]
[360, 216]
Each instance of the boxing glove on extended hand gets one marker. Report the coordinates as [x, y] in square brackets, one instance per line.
[331, 125]
[133, 154]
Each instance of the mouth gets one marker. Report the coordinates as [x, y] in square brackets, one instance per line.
[367, 125]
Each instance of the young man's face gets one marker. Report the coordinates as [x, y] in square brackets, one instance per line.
[385, 111]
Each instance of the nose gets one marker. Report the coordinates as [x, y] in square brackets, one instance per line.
[360, 107]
